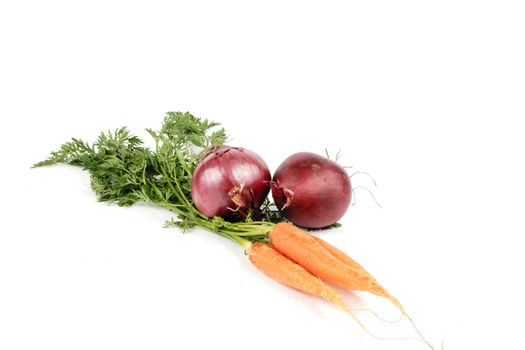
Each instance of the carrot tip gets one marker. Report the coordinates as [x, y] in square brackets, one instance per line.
[333, 297]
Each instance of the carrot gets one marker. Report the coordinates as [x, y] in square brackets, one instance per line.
[305, 250]
[341, 256]
[282, 269]
[329, 263]
[380, 290]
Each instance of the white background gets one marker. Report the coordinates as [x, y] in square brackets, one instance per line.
[428, 97]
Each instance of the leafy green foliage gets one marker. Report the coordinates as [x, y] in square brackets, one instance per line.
[117, 163]
[269, 212]
[123, 171]
[184, 129]
[74, 152]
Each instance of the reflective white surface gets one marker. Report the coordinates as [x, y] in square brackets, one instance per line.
[426, 97]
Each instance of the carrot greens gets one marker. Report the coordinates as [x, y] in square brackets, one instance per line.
[124, 171]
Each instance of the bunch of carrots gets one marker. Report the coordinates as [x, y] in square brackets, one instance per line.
[123, 171]
[305, 262]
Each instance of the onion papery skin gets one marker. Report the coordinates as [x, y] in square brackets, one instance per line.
[311, 191]
[229, 182]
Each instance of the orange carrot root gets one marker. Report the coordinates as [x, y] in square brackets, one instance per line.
[279, 267]
[282, 269]
[332, 265]
[347, 260]
[379, 290]
[315, 257]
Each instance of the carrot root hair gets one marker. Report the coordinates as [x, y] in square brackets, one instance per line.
[337, 300]
[338, 267]
[274, 264]
[376, 315]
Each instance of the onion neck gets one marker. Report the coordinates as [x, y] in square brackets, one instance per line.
[282, 194]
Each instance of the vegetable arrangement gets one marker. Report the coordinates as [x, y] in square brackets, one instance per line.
[223, 189]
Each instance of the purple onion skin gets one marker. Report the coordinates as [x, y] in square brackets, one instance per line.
[311, 191]
[229, 182]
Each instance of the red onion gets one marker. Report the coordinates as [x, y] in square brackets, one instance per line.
[311, 191]
[230, 182]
